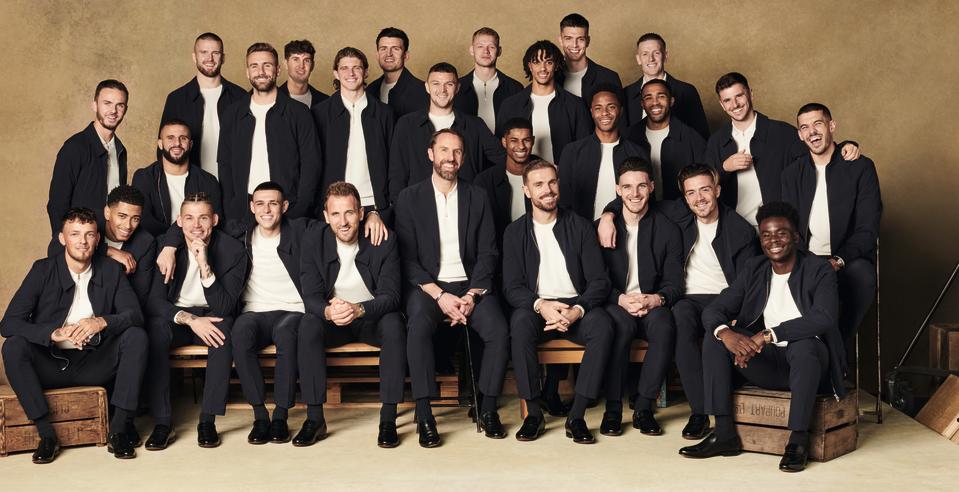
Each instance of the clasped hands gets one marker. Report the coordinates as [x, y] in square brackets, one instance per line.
[79, 333]
[743, 347]
[340, 312]
[559, 316]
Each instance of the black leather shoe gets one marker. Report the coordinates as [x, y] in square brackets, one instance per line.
[533, 427]
[697, 427]
[161, 437]
[279, 431]
[121, 446]
[711, 446]
[206, 435]
[794, 458]
[131, 431]
[429, 437]
[387, 437]
[612, 424]
[490, 423]
[646, 423]
[555, 406]
[311, 432]
[47, 451]
[260, 433]
[577, 430]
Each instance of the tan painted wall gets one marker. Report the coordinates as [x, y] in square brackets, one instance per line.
[886, 69]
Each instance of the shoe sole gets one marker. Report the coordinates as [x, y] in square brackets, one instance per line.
[492, 436]
[611, 434]
[277, 441]
[210, 445]
[388, 445]
[169, 441]
[539, 433]
[724, 453]
[570, 435]
[659, 433]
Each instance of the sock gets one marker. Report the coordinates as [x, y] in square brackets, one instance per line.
[533, 408]
[280, 413]
[45, 427]
[799, 437]
[119, 420]
[167, 421]
[578, 411]
[614, 406]
[315, 412]
[207, 418]
[551, 386]
[424, 411]
[388, 412]
[725, 429]
[488, 404]
[260, 413]
[642, 404]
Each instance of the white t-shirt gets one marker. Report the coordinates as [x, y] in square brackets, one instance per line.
[543, 144]
[553, 280]
[113, 164]
[306, 98]
[750, 197]
[176, 186]
[819, 238]
[517, 204]
[259, 157]
[80, 308]
[385, 91]
[357, 165]
[632, 252]
[269, 287]
[655, 139]
[210, 139]
[606, 181]
[349, 285]
[704, 273]
[574, 82]
[447, 216]
[780, 307]
[442, 121]
[112, 244]
[191, 292]
[484, 98]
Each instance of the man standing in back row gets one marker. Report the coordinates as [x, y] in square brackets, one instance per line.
[299, 56]
[483, 89]
[397, 87]
[582, 75]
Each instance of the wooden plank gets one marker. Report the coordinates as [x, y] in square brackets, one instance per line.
[941, 412]
[823, 446]
[71, 433]
[944, 346]
[74, 403]
[753, 405]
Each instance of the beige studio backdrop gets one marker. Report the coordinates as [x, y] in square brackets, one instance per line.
[888, 71]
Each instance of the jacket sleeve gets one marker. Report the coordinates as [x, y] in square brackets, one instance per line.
[673, 281]
[399, 169]
[697, 144]
[65, 171]
[311, 274]
[18, 319]
[494, 152]
[126, 307]
[594, 268]
[158, 305]
[223, 295]
[142, 278]
[567, 166]
[868, 211]
[726, 306]
[409, 247]
[486, 252]
[386, 299]
[697, 115]
[148, 219]
[224, 161]
[388, 213]
[819, 318]
[790, 184]
[515, 287]
[311, 166]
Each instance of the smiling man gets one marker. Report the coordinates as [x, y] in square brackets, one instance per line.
[775, 326]
[504, 183]
[397, 87]
[582, 74]
[126, 242]
[299, 57]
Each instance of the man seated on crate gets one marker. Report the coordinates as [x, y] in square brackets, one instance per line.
[194, 304]
[776, 325]
[75, 321]
[351, 288]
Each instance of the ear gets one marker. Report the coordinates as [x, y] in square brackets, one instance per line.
[832, 126]
[362, 213]
[179, 221]
[499, 51]
[216, 219]
[639, 59]
[286, 205]
[527, 192]
[159, 144]
[93, 105]
[106, 212]
[665, 56]
[719, 190]
[472, 50]
[426, 85]
[587, 40]
[429, 152]
[326, 216]
[193, 55]
[672, 101]
[63, 240]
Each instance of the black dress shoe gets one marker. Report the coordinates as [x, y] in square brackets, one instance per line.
[794, 458]
[533, 427]
[206, 435]
[161, 437]
[260, 433]
[577, 430]
[646, 423]
[279, 431]
[712, 446]
[612, 424]
[387, 437]
[490, 423]
[47, 451]
[121, 445]
[697, 427]
[311, 432]
[555, 406]
[429, 437]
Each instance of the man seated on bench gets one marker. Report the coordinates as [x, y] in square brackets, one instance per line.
[777, 326]
[646, 270]
[555, 279]
[194, 304]
[351, 287]
[75, 321]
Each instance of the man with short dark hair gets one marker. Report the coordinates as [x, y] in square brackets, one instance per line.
[556, 283]
[558, 117]
[352, 289]
[202, 101]
[165, 182]
[582, 75]
[448, 244]
[840, 207]
[651, 57]
[267, 138]
[75, 321]
[504, 183]
[646, 273]
[196, 307]
[126, 242]
[483, 89]
[776, 327]
[299, 55]
[409, 164]
[397, 87]
[91, 162]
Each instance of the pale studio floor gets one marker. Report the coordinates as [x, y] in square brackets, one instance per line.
[900, 454]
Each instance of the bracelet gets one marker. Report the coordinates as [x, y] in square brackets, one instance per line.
[437, 298]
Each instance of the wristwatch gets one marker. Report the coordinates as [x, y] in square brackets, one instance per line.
[839, 261]
[362, 310]
[768, 335]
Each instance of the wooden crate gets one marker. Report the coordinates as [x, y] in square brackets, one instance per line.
[79, 416]
[941, 413]
[762, 417]
[944, 346]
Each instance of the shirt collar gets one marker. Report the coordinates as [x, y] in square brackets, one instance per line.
[751, 129]
[358, 104]
[437, 193]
